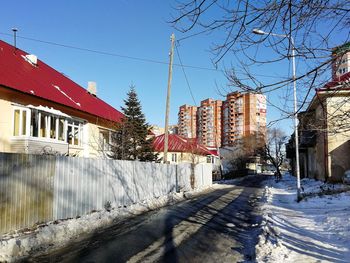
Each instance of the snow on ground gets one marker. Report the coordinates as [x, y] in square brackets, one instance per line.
[315, 230]
[59, 233]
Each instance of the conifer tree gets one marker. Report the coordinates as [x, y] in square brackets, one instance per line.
[131, 141]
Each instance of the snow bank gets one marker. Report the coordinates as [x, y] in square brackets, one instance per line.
[315, 230]
[58, 233]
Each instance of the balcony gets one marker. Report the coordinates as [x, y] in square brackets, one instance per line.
[38, 145]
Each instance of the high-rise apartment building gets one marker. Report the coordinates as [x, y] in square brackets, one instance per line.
[187, 123]
[217, 123]
[341, 62]
[209, 123]
[243, 115]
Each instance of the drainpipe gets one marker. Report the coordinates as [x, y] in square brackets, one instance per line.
[325, 141]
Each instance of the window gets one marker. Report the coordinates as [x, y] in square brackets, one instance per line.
[210, 159]
[34, 123]
[53, 128]
[61, 133]
[24, 123]
[343, 70]
[41, 124]
[20, 122]
[174, 157]
[16, 123]
[105, 140]
[74, 132]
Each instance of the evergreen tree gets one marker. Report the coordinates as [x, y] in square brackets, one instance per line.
[131, 141]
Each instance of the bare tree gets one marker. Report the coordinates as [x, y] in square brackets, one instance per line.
[195, 151]
[275, 148]
[317, 26]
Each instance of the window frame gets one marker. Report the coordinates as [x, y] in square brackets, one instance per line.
[70, 122]
[20, 121]
[174, 157]
[102, 144]
[48, 117]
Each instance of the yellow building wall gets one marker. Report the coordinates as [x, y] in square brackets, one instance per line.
[338, 136]
[5, 125]
[90, 146]
[184, 157]
[92, 143]
[320, 172]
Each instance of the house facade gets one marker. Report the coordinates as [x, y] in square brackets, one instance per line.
[324, 128]
[44, 112]
[324, 134]
[184, 150]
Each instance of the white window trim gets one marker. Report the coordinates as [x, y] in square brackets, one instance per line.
[20, 127]
[174, 157]
[48, 114]
[80, 126]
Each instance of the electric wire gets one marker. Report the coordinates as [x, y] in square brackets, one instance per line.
[125, 56]
[184, 72]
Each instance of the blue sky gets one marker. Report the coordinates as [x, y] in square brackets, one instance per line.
[130, 28]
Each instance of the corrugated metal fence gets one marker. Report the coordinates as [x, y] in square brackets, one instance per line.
[39, 188]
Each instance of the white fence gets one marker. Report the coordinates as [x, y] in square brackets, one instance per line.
[35, 188]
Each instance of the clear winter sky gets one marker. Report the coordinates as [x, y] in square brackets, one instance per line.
[129, 28]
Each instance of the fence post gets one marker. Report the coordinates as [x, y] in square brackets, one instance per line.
[176, 180]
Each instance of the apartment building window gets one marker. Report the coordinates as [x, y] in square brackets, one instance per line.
[343, 70]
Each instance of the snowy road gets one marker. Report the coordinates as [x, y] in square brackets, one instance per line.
[221, 226]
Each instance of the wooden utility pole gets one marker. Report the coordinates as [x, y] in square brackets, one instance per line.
[166, 132]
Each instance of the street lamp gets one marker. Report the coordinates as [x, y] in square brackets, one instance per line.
[260, 32]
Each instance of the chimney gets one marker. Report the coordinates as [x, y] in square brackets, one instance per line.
[92, 89]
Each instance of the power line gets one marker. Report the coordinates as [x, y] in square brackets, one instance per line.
[126, 56]
[183, 70]
[110, 53]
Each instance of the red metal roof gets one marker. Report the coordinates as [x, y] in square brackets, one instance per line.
[45, 82]
[339, 81]
[177, 143]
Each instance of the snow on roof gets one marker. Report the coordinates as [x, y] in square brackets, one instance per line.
[177, 143]
[49, 110]
[45, 82]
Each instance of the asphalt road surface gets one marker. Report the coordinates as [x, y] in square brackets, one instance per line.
[220, 226]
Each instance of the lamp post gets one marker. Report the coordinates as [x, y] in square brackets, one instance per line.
[296, 137]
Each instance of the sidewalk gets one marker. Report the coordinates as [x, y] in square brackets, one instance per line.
[315, 230]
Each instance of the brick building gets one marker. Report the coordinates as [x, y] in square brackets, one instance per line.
[187, 122]
[209, 123]
[217, 123]
[243, 115]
